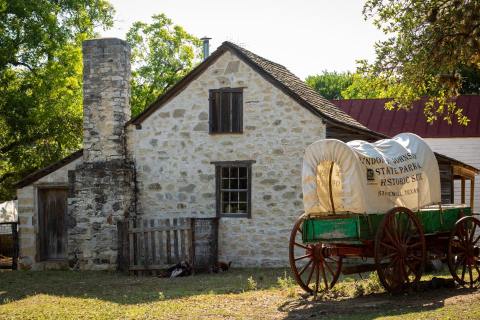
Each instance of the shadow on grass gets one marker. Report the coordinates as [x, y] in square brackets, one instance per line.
[123, 289]
[374, 305]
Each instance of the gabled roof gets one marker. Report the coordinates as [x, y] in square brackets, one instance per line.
[372, 114]
[34, 176]
[276, 74]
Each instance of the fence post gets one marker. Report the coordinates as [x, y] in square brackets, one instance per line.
[122, 228]
[15, 246]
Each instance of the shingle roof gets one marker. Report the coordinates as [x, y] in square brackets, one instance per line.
[279, 76]
[372, 114]
[34, 176]
[298, 87]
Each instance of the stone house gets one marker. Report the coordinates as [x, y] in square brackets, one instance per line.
[225, 142]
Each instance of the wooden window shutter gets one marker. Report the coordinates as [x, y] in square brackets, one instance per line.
[211, 115]
[237, 112]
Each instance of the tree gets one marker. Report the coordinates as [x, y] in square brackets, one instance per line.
[330, 84]
[429, 43]
[162, 54]
[40, 82]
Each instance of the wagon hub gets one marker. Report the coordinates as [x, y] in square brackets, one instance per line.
[317, 252]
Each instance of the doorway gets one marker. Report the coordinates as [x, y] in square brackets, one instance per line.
[52, 232]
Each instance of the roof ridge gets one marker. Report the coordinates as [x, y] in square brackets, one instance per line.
[229, 43]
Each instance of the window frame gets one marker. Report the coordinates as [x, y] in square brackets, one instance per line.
[219, 165]
[211, 110]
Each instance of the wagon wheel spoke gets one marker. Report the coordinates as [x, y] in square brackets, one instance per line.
[382, 243]
[325, 280]
[303, 257]
[406, 231]
[478, 270]
[329, 269]
[317, 277]
[470, 275]
[300, 230]
[472, 234]
[459, 261]
[390, 256]
[387, 232]
[300, 245]
[463, 272]
[305, 267]
[310, 275]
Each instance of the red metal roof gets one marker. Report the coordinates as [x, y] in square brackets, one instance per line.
[372, 114]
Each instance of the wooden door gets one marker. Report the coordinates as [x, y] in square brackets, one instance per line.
[52, 209]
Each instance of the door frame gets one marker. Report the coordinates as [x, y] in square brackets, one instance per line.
[55, 186]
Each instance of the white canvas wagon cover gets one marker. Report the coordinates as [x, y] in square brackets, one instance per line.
[363, 177]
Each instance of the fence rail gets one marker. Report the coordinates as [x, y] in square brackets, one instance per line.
[8, 245]
[156, 244]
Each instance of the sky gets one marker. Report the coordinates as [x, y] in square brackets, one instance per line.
[306, 36]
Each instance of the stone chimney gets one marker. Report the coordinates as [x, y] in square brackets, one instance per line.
[205, 47]
[106, 94]
[103, 184]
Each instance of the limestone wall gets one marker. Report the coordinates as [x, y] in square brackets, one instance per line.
[27, 215]
[173, 152]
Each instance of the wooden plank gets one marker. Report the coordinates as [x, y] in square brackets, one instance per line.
[153, 243]
[164, 228]
[168, 243]
[15, 246]
[175, 241]
[146, 239]
[131, 245]
[190, 236]
[182, 235]
[161, 243]
[462, 195]
[138, 236]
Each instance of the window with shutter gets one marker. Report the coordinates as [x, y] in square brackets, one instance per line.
[226, 110]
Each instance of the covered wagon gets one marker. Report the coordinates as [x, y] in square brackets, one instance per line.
[380, 202]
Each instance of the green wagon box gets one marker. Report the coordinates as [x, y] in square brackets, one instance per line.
[356, 228]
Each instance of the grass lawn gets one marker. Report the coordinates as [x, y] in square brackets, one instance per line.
[237, 294]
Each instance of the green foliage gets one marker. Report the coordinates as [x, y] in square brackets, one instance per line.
[429, 43]
[288, 284]
[162, 53]
[330, 84]
[40, 82]
[251, 284]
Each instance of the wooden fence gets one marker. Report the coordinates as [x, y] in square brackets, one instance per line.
[156, 244]
[8, 245]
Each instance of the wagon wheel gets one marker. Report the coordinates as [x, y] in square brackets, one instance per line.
[463, 253]
[399, 250]
[314, 266]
